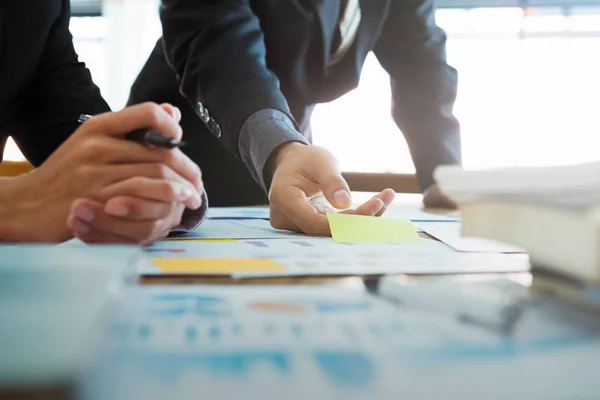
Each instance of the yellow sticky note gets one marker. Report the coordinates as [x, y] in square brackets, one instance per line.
[184, 239]
[214, 266]
[347, 228]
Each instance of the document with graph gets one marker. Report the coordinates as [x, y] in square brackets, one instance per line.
[276, 342]
[316, 256]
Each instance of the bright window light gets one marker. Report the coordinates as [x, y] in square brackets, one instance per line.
[528, 84]
[522, 100]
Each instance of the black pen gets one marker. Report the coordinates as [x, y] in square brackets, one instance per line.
[150, 138]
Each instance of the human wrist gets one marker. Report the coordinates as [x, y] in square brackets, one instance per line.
[280, 153]
[262, 133]
[28, 213]
[13, 228]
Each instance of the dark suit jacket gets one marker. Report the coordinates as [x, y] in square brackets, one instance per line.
[43, 87]
[235, 57]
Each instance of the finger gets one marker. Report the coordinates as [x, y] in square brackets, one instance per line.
[125, 153]
[173, 158]
[134, 208]
[370, 208]
[435, 198]
[387, 196]
[316, 227]
[92, 237]
[160, 171]
[173, 111]
[84, 232]
[376, 206]
[152, 189]
[185, 167]
[292, 203]
[92, 214]
[145, 115]
[321, 204]
[325, 172]
[142, 210]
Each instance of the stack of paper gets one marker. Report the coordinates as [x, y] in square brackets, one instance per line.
[575, 187]
[360, 245]
[450, 234]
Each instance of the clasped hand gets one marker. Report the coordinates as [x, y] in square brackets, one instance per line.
[108, 189]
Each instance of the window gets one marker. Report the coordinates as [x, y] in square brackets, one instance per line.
[527, 93]
[528, 84]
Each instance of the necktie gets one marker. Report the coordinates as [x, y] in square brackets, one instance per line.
[347, 29]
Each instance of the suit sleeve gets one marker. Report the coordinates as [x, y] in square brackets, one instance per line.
[62, 90]
[217, 50]
[412, 49]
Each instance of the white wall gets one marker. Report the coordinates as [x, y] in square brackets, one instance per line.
[133, 28]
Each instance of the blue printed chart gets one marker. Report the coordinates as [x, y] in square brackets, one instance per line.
[331, 343]
[322, 256]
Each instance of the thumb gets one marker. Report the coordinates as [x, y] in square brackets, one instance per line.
[331, 182]
[336, 191]
[146, 116]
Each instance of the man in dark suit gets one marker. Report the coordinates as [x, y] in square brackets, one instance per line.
[90, 182]
[247, 74]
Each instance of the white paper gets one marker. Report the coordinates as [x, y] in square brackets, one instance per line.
[416, 215]
[449, 233]
[237, 229]
[410, 263]
[53, 300]
[281, 342]
[262, 212]
[323, 256]
[259, 212]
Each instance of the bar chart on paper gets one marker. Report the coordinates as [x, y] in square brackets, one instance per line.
[233, 228]
[318, 256]
[328, 343]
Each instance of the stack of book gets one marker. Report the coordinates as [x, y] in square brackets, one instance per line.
[552, 212]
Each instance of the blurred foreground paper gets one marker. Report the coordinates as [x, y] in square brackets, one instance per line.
[52, 302]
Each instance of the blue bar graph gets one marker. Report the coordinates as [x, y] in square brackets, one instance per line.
[303, 244]
[191, 333]
[214, 332]
[257, 243]
[346, 368]
[144, 332]
[237, 329]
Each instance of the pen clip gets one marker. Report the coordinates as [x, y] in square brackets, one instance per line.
[83, 118]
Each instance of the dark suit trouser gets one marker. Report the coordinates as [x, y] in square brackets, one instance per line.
[226, 179]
